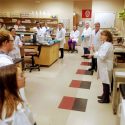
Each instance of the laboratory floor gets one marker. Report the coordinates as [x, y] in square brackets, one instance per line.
[66, 94]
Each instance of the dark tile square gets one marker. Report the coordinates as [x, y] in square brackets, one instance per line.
[85, 84]
[89, 72]
[67, 103]
[84, 72]
[80, 105]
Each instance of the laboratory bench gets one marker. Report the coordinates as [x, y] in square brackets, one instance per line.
[48, 54]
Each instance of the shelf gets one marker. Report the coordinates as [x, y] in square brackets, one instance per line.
[11, 21]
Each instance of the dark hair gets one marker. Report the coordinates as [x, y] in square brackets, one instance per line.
[60, 23]
[4, 36]
[97, 23]
[108, 34]
[9, 92]
[37, 22]
[11, 29]
[75, 26]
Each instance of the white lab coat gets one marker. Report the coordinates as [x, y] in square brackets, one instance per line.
[22, 116]
[65, 35]
[45, 30]
[95, 39]
[60, 35]
[5, 60]
[39, 31]
[75, 35]
[87, 37]
[105, 56]
[15, 53]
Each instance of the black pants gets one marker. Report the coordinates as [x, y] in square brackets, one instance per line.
[86, 51]
[62, 52]
[94, 63]
[106, 92]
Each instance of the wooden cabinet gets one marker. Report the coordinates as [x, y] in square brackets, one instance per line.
[66, 47]
[48, 55]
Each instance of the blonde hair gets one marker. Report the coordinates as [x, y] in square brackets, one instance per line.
[4, 36]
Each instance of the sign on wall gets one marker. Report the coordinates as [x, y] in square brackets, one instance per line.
[87, 13]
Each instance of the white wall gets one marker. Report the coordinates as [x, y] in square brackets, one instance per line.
[80, 5]
[63, 9]
[109, 6]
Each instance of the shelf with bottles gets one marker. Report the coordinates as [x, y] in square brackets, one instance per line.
[29, 22]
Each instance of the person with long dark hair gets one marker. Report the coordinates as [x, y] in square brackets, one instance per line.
[13, 109]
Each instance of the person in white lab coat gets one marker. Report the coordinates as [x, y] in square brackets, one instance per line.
[96, 43]
[18, 26]
[86, 37]
[7, 45]
[38, 29]
[46, 29]
[74, 36]
[104, 57]
[13, 110]
[15, 53]
[60, 35]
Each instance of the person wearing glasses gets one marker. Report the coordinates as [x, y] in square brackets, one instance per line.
[86, 37]
[15, 53]
[95, 44]
[6, 45]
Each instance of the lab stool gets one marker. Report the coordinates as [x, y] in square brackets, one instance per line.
[32, 54]
[118, 77]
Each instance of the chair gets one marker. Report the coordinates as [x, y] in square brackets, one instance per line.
[31, 53]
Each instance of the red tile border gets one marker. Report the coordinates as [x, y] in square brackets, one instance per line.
[86, 63]
[72, 103]
[80, 71]
[67, 103]
[75, 84]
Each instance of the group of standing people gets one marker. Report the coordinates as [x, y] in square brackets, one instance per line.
[98, 46]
